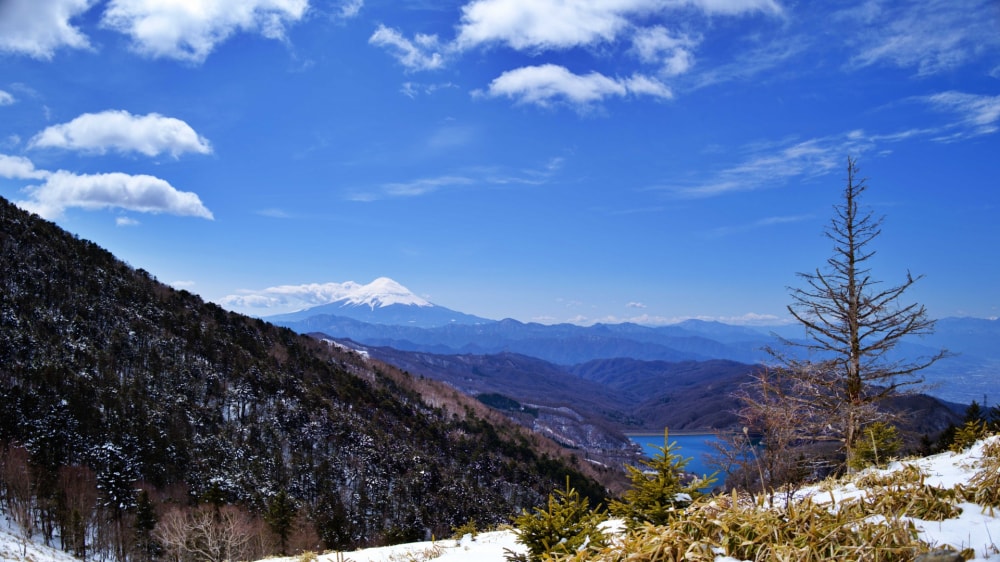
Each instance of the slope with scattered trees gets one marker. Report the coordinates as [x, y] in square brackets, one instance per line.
[139, 412]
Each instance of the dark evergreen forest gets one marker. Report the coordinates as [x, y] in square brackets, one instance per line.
[130, 408]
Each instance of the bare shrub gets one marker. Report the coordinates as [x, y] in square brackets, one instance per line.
[208, 533]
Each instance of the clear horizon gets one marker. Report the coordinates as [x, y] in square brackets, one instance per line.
[641, 161]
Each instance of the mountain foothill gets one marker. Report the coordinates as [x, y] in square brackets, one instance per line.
[126, 400]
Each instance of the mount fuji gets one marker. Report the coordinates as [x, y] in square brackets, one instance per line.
[382, 302]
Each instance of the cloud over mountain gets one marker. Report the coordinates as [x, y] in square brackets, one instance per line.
[379, 293]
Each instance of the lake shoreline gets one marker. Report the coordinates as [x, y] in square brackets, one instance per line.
[678, 432]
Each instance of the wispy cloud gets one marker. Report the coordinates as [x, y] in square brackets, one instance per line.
[38, 28]
[274, 213]
[190, 30]
[753, 62]
[977, 114]
[350, 8]
[480, 177]
[533, 25]
[423, 52]
[930, 36]
[6, 98]
[414, 89]
[151, 135]
[755, 225]
[774, 166]
[422, 186]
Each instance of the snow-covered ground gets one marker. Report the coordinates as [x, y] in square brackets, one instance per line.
[974, 528]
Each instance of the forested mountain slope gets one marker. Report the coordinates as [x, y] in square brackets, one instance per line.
[108, 374]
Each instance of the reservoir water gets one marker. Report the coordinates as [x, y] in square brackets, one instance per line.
[694, 447]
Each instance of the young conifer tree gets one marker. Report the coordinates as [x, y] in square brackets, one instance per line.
[661, 489]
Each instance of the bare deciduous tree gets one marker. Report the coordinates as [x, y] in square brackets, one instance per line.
[853, 322]
[774, 414]
[79, 496]
[19, 499]
[207, 533]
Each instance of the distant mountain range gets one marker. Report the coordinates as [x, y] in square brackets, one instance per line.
[398, 319]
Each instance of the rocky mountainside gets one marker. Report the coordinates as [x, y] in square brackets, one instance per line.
[111, 376]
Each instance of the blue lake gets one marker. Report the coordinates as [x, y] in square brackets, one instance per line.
[694, 447]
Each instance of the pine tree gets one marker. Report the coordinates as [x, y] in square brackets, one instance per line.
[280, 517]
[879, 444]
[659, 491]
[145, 522]
[565, 526]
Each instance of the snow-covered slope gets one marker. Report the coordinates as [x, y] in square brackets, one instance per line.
[975, 528]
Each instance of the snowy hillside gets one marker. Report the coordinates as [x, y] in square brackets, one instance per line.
[975, 528]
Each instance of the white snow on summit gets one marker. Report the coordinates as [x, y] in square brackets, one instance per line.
[379, 293]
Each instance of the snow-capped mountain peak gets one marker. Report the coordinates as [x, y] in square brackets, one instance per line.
[383, 301]
[379, 293]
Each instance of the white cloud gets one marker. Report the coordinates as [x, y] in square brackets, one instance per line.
[292, 296]
[557, 24]
[930, 35]
[548, 83]
[126, 221]
[656, 45]
[733, 7]
[979, 114]
[20, 168]
[38, 27]
[424, 52]
[6, 98]
[635, 305]
[545, 24]
[150, 134]
[141, 193]
[189, 30]
[239, 302]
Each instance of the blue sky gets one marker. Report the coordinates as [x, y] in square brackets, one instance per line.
[618, 160]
